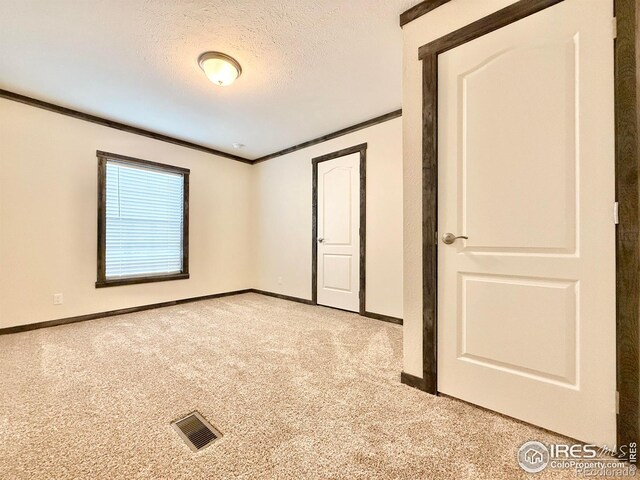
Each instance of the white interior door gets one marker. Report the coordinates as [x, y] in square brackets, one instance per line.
[339, 232]
[526, 305]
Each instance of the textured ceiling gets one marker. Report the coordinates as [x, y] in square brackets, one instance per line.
[309, 67]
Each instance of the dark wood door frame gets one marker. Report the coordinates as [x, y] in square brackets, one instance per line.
[628, 229]
[627, 194]
[362, 150]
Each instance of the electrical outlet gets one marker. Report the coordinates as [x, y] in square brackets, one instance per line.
[279, 280]
[58, 299]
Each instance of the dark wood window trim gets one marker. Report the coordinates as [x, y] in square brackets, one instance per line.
[102, 281]
[362, 150]
[627, 194]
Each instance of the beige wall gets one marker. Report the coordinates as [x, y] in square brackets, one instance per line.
[48, 191]
[439, 22]
[282, 218]
[249, 225]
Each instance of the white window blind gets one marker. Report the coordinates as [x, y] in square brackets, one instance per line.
[144, 221]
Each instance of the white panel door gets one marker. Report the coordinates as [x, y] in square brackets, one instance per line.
[339, 232]
[526, 305]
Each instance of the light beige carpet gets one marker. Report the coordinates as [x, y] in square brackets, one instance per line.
[299, 392]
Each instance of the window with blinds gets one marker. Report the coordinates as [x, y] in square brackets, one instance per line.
[143, 224]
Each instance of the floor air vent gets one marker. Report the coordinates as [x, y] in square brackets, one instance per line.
[196, 431]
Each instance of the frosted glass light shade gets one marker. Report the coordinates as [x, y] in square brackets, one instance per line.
[221, 69]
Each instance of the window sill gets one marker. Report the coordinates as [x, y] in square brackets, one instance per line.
[136, 280]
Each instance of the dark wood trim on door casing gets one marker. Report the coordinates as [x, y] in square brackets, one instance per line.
[362, 150]
[488, 24]
[102, 280]
[429, 55]
[627, 100]
[420, 9]
[16, 97]
[627, 186]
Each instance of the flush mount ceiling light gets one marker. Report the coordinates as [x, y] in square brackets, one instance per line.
[221, 69]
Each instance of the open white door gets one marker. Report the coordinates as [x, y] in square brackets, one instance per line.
[526, 305]
[339, 232]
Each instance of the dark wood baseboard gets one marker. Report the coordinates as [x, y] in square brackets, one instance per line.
[282, 297]
[413, 381]
[111, 313]
[376, 316]
[122, 311]
[384, 318]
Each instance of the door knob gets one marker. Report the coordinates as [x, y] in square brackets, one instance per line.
[320, 240]
[449, 238]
